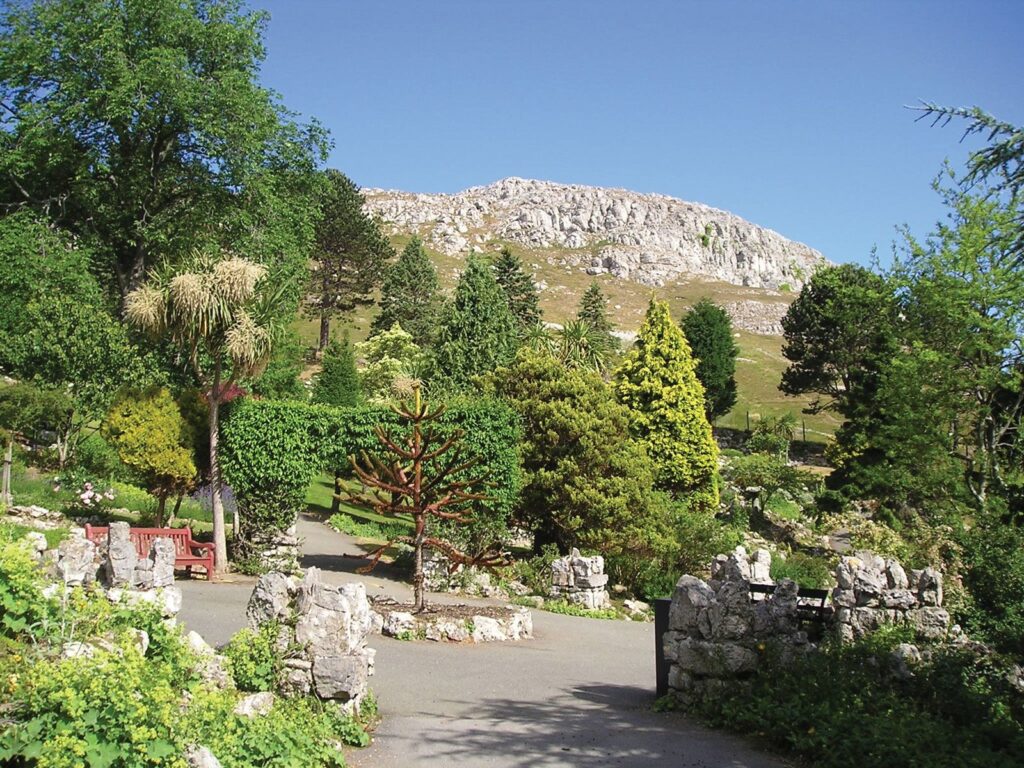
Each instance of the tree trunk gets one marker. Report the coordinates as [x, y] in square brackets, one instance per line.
[336, 499]
[6, 497]
[220, 544]
[419, 603]
[177, 508]
[161, 507]
[325, 332]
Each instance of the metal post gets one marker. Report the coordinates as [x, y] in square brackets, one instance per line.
[661, 607]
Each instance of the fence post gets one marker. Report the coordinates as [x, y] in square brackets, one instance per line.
[661, 607]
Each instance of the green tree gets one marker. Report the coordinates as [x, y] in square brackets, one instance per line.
[338, 382]
[141, 126]
[153, 438]
[350, 255]
[477, 332]
[410, 295]
[391, 362]
[708, 330]
[23, 409]
[280, 380]
[960, 296]
[593, 310]
[220, 312]
[415, 478]
[586, 482]
[839, 334]
[658, 383]
[999, 165]
[522, 296]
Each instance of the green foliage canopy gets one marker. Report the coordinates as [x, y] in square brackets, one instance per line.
[350, 256]
[410, 295]
[142, 127]
[658, 383]
[522, 296]
[586, 482]
[478, 331]
[708, 330]
[338, 382]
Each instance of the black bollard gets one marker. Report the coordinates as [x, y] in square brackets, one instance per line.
[661, 607]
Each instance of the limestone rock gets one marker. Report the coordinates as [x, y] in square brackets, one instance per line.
[271, 598]
[398, 622]
[121, 556]
[650, 239]
[201, 757]
[76, 561]
[255, 704]
[340, 677]
[486, 629]
[690, 597]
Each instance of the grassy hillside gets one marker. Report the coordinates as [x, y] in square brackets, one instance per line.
[760, 363]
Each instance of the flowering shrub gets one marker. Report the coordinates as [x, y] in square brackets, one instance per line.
[89, 499]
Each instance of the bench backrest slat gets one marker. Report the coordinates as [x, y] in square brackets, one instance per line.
[143, 538]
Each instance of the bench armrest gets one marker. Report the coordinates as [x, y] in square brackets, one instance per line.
[202, 545]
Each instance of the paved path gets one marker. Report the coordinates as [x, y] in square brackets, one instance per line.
[578, 695]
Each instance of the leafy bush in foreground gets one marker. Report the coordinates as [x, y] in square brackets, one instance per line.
[844, 708]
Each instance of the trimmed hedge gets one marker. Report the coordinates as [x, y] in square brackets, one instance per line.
[272, 451]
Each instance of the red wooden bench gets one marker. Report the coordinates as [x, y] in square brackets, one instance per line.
[186, 551]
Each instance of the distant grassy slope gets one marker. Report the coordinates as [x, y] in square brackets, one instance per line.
[760, 364]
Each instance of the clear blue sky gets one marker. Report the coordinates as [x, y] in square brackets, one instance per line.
[790, 114]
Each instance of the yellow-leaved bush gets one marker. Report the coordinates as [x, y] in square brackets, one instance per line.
[658, 383]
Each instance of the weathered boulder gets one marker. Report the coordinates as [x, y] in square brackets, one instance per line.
[255, 704]
[271, 599]
[121, 556]
[76, 561]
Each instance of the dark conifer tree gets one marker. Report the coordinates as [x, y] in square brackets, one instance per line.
[338, 383]
[410, 295]
[594, 312]
[708, 328]
[523, 299]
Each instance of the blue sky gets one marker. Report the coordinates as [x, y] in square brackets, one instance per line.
[790, 114]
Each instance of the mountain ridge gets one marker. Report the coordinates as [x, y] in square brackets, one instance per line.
[648, 238]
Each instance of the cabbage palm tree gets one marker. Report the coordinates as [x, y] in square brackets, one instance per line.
[579, 346]
[217, 309]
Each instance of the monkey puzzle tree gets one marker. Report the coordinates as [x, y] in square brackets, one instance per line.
[220, 313]
[417, 479]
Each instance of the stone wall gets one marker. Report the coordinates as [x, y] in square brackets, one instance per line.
[580, 580]
[719, 634]
[115, 566]
[323, 632]
[871, 592]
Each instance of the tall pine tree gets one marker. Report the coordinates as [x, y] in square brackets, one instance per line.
[523, 299]
[593, 311]
[478, 331]
[350, 254]
[410, 295]
[338, 383]
[658, 383]
[708, 329]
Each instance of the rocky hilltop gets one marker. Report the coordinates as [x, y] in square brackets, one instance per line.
[645, 238]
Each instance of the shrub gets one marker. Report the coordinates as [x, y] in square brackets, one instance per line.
[844, 708]
[535, 572]
[995, 580]
[255, 662]
[272, 451]
[805, 570]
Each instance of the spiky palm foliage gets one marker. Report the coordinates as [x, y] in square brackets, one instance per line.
[217, 309]
[582, 347]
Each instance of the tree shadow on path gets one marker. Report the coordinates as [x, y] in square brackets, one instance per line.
[586, 727]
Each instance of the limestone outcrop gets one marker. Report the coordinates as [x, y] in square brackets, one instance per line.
[647, 238]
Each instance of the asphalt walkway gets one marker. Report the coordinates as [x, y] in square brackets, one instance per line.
[578, 695]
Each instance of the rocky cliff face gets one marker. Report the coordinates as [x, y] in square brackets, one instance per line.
[649, 239]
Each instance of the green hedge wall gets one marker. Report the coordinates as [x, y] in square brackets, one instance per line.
[272, 451]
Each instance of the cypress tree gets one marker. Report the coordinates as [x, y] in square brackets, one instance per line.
[593, 310]
[338, 383]
[523, 299]
[658, 383]
[478, 331]
[708, 330]
[410, 295]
